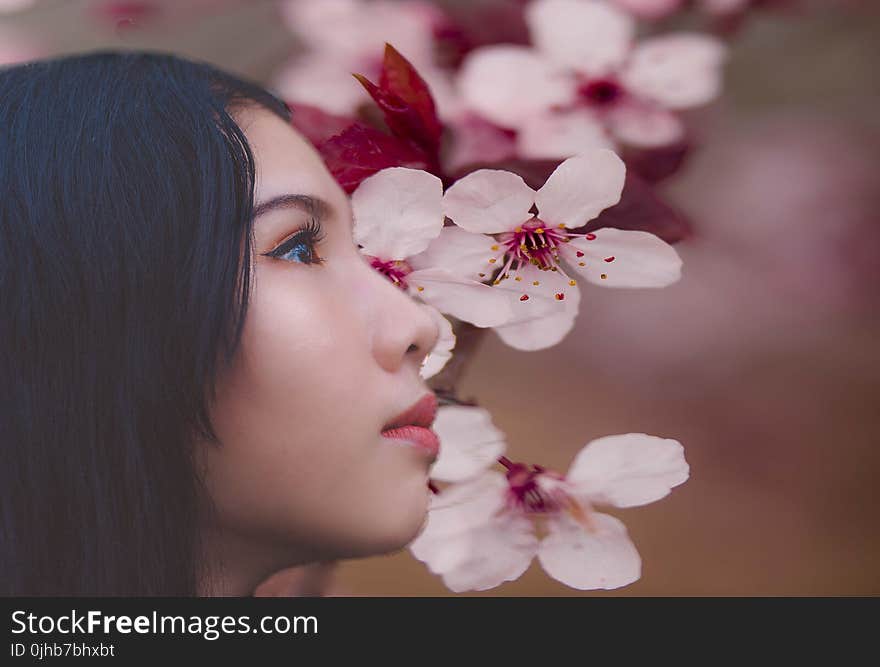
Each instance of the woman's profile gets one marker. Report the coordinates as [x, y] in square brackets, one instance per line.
[196, 364]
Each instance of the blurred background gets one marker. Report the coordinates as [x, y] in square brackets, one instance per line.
[763, 361]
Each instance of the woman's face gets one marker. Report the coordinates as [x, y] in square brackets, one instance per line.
[330, 353]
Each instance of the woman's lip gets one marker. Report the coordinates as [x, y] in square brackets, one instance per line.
[420, 413]
[422, 438]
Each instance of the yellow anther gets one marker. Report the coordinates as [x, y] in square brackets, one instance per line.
[572, 283]
[539, 230]
[494, 247]
[561, 225]
[492, 261]
[604, 276]
[536, 282]
[421, 289]
[518, 230]
[581, 264]
[518, 278]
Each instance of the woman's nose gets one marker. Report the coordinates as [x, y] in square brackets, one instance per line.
[404, 331]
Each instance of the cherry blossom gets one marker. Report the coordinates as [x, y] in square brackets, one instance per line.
[397, 213]
[438, 357]
[470, 442]
[535, 254]
[481, 532]
[586, 83]
[360, 30]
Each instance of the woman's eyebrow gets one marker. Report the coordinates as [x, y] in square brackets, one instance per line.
[314, 206]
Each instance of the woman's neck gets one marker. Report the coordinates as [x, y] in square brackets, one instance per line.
[235, 565]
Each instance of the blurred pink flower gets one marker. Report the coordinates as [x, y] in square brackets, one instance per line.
[15, 5]
[587, 84]
[345, 36]
[480, 533]
[397, 213]
[531, 247]
[650, 9]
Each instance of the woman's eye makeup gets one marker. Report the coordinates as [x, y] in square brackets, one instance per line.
[300, 247]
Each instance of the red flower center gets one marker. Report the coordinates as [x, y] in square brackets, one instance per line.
[395, 270]
[536, 243]
[601, 92]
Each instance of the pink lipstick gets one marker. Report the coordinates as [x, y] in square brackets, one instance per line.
[413, 426]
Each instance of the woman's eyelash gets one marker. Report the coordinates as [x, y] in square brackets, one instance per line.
[307, 237]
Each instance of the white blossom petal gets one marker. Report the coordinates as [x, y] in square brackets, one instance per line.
[442, 352]
[542, 327]
[488, 201]
[464, 506]
[603, 558]
[628, 470]
[678, 71]
[498, 552]
[580, 188]
[461, 253]
[397, 212]
[561, 135]
[592, 37]
[469, 442]
[623, 258]
[645, 125]
[468, 300]
[506, 84]
[469, 540]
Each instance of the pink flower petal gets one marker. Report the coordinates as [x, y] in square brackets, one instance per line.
[501, 551]
[678, 71]
[467, 540]
[397, 212]
[488, 201]
[623, 258]
[507, 84]
[650, 9]
[544, 326]
[580, 188]
[592, 37]
[321, 81]
[460, 252]
[469, 443]
[473, 302]
[601, 559]
[645, 125]
[462, 507]
[442, 352]
[561, 135]
[628, 470]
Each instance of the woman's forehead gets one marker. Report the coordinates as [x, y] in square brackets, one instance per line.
[285, 160]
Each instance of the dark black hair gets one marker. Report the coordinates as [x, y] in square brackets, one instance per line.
[126, 197]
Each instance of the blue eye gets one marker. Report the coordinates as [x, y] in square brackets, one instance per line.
[301, 246]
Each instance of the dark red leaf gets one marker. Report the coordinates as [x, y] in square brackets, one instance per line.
[317, 125]
[401, 79]
[361, 151]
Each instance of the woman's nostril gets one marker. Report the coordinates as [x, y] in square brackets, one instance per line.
[412, 348]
